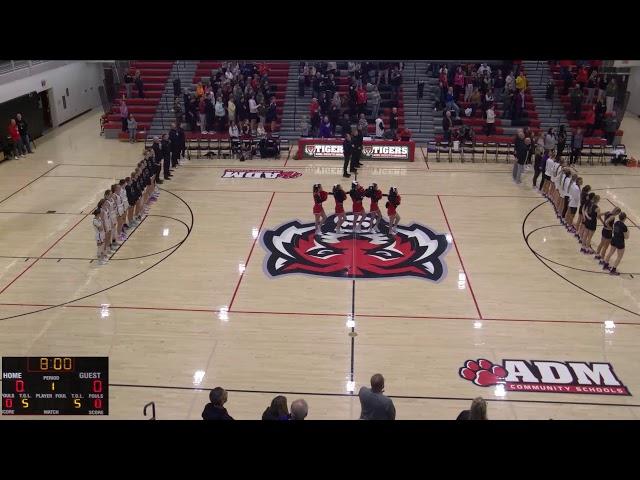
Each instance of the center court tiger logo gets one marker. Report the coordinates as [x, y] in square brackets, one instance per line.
[415, 251]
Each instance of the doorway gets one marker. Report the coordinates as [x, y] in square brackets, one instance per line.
[46, 109]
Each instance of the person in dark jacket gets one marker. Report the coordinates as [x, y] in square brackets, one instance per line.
[176, 87]
[23, 128]
[562, 142]
[182, 142]
[347, 150]
[478, 410]
[157, 156]
[215, 409]
[174, 145]
[356, 140]
[165, 147]
[278, 409]
[139, 84]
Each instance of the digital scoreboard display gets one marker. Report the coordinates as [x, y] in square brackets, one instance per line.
[55, 385]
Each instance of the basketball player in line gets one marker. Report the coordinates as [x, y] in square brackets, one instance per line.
[607, 233]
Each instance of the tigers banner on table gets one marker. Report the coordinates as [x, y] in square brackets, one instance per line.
[309, 148]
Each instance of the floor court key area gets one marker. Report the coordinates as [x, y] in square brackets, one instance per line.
[224, 283]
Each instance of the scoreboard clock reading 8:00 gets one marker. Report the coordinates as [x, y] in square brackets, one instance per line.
[55, 385]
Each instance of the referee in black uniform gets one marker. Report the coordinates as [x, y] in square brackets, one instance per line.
[356, 141]
[347, 150]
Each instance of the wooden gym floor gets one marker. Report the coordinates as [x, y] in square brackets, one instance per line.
[185, 305]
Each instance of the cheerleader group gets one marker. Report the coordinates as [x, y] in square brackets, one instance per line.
[124, 206]
[357, 194]
[563, 187]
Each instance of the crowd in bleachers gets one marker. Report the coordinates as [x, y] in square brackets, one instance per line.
[375, 405]
[237, 98]
[365, 95]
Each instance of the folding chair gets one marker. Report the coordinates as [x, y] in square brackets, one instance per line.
[432, 146]
[491, 148]
[479, 149]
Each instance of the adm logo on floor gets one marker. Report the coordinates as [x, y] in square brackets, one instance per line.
[270, 174]
[545, 376]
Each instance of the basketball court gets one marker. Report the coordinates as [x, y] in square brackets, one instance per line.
[189, 301]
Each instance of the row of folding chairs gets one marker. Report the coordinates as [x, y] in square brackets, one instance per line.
[202, 147]
[484, 152]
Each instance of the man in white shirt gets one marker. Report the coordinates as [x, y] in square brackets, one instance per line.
[379, 127]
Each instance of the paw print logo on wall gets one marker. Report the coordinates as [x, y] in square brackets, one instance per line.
[483, 372]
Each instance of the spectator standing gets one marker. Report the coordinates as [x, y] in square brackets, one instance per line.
[468, 89]
[277, 410]
[220, 114]
[272, 115]
[132, 126]
[507, 103]
[215, 409]
[576, 102]
[393, 122]
[379, 127]
[374, 405]
[611, 91]
[451, 103]
[177, 88]
[447, 125]
[23, 129]
[202, 108]
[576, 146]
[128, 83]
[561, 142]
[177, 110]
[209, 111]
[325, 128]
[363, 125]
[478, 410]
[231, 109]
[498, 86]
[458, 83]
[124, 115]
[521, 82]
[253, 112]
[139, 84]
[361, 99]
[14, 133]
[599, 110]
[299, 410]
[491, 120]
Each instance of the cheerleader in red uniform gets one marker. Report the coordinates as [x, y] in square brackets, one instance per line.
[374, 211]
[319, 196]
[392, 204]
[340, 197]
[357, 194]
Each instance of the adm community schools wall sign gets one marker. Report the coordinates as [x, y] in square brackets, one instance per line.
[545, 376]
[261, 174]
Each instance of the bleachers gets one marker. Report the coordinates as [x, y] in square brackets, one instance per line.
[555, 69]
[278, 73]
[154, 75]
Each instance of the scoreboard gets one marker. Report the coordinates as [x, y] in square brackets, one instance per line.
[55, 385]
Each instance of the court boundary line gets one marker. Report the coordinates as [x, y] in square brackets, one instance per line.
[43, 254]
[455, 244]
[253, 246]
[318, 314]
[352, 395]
